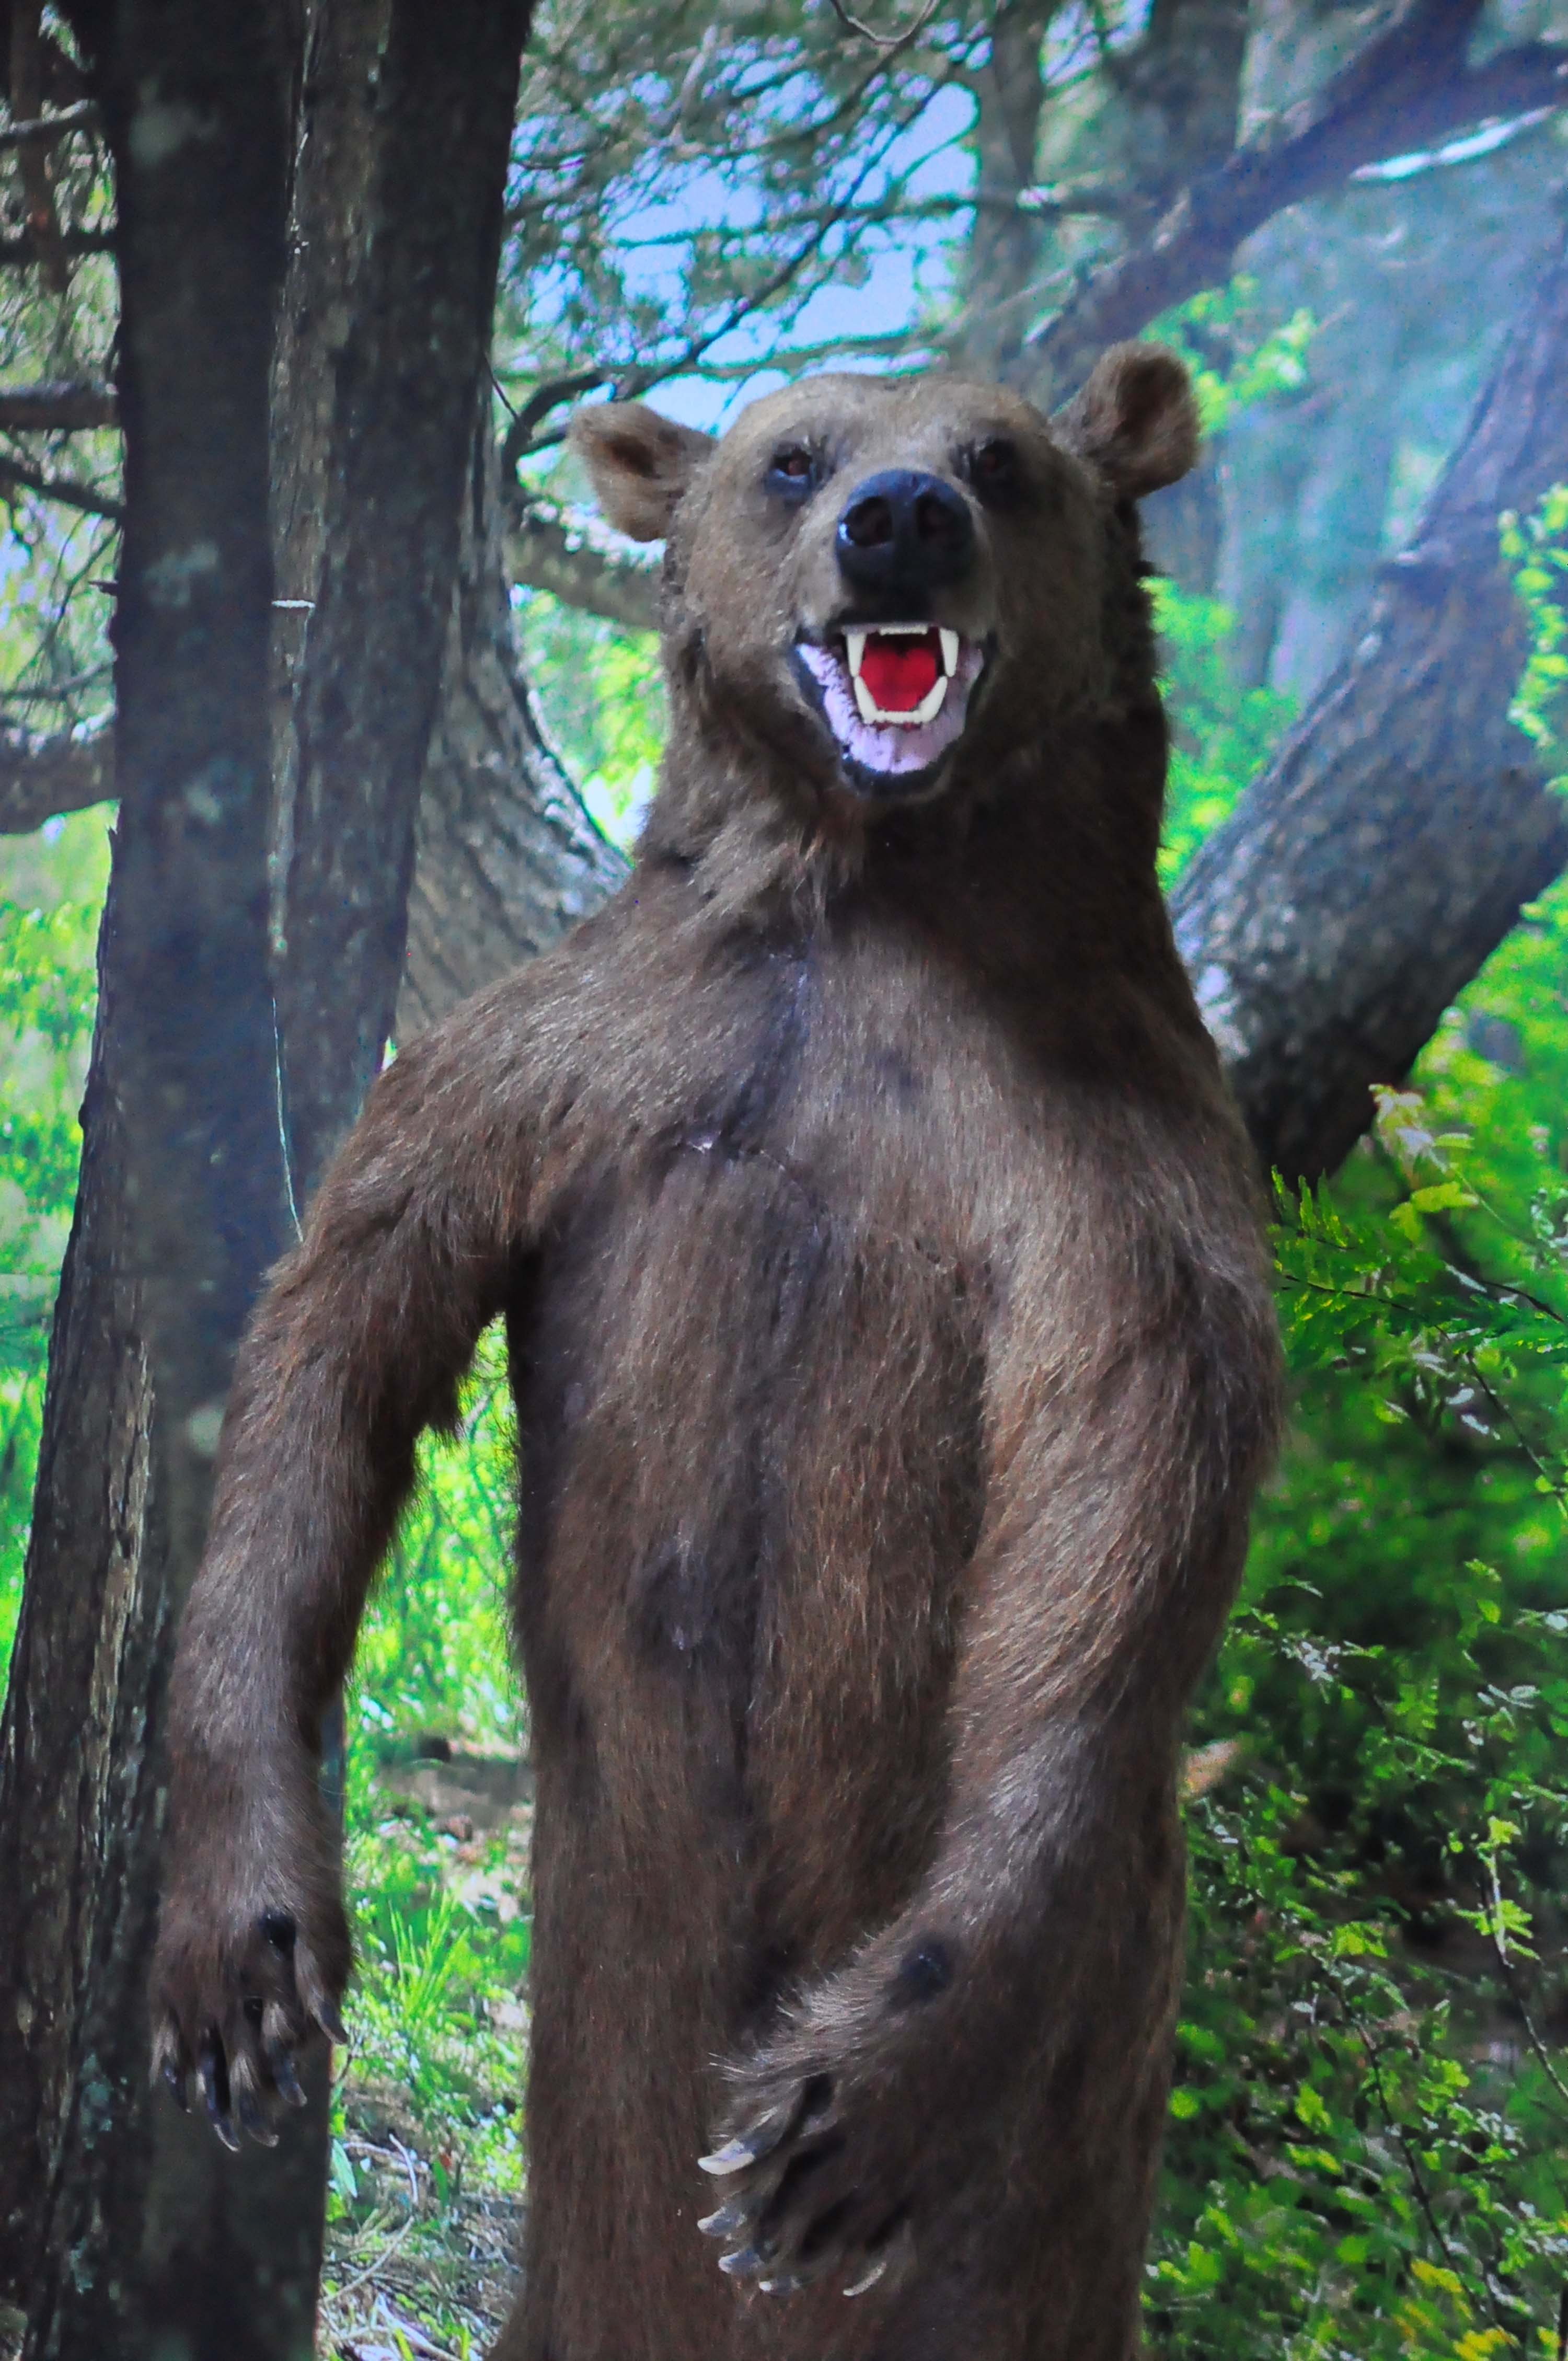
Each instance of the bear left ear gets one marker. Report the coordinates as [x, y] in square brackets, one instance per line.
[1136, 420]
[639, 464]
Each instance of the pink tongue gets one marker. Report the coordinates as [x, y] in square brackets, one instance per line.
[899, 671]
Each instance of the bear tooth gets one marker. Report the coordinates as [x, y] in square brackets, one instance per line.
[870, 710]
[950, 649]
[855, 649]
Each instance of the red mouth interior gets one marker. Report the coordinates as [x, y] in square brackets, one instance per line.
[899, 670]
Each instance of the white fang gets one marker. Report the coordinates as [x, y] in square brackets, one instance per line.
[855, 638]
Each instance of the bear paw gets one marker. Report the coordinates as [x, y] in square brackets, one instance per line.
[812, 2182]
[238, 1991]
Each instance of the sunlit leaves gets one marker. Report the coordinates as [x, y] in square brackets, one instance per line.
[1536, 547]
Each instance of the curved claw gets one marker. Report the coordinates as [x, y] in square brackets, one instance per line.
[743, 2263]
[280, 2065]
[727, 2221]
[331, 2021]
[733, 2156]
[175, 2082]
[253, 2119]
[214, 2073]
[759, 2138]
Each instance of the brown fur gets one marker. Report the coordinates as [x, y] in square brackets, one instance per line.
[894, 1367]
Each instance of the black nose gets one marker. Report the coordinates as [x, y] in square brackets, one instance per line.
[901, 530]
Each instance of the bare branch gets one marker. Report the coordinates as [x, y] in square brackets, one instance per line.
[631, 384]
[887, 42]
[46, 128]
[26, 97]
[16, 477]
[63, 408]
[41, 777]
[1403, 92]
[536, 410]
[23, 248]
[581, 562]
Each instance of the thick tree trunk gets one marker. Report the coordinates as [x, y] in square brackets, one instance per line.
[121, 2237]
[415, 267]
[126, 2231]
[507, 858]
[1370, 872]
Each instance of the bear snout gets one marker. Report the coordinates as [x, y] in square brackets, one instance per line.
[904, 532]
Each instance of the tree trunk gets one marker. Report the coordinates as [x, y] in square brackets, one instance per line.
[372, 543]
[120, 2235]
[126, 2231]
[506, 858]
[1387, 850]
[1006, 242]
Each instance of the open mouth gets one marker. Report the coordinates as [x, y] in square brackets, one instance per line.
[896, 697]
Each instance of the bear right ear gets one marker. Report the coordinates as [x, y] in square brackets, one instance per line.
[640, 464]
[1136, 420]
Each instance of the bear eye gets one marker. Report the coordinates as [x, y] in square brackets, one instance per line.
[794, 473]
[994, 469]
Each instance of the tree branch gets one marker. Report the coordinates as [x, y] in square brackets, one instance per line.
[27, 98]
[23, 248]
[63, 407]
[85, 497]
[1404, 91]
[581, 562]
[44, 129]
[41, 777]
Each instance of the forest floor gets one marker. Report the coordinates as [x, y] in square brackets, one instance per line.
[427, 2202]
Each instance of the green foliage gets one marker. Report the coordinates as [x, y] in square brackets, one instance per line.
[1235, 355]
[433, 1648]
[602, 692]
[51, 889]
[1220, 735]
[1369, 2140]
[1537, 549]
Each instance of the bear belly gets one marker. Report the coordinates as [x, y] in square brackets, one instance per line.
[749, 1438]
[750, 1441]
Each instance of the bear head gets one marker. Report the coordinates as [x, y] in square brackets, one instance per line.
[885, 586]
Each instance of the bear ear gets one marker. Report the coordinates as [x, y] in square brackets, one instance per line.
[639, 464]
[1136, 420]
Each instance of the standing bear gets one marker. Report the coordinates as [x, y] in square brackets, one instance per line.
[891, 1344]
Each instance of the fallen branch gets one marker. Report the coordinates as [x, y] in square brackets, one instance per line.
[1403, 93]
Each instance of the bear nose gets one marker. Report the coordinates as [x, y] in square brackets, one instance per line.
[902, 530]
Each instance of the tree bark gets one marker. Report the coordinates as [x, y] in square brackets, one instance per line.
[378, 570]
[507, 858]
[1409, 88]
[118, 2232]
[127, 2231]
[1387, 850]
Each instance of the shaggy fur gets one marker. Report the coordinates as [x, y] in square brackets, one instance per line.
[894, 1366]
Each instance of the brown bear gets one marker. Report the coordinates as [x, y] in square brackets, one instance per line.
[895, 1364]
